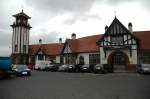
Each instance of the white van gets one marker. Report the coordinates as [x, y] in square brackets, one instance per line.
[41, 64]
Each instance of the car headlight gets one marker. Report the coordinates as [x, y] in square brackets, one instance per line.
[16, 69]
[98, 68]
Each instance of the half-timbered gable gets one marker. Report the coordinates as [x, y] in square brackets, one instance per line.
[118, 35]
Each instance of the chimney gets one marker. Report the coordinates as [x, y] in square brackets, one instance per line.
[106, 27]
[73, 36]
[60, 40]
[40, 41]
[130, 27]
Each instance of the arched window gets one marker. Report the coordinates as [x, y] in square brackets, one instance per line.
[81, 60]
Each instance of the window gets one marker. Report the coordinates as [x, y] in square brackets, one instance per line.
[94, 58]
[24, 48]
[16, 48]
[81, 60]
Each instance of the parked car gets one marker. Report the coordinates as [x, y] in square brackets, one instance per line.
[85, 68]
[54, 67]
[47, 67]
[99, 68]
[71, 68]
[143, 68]
[63, 68]
[22, 70]
[41, 64]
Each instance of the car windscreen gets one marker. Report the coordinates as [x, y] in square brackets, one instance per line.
[21, 67]
[145, 65]
[85, 66]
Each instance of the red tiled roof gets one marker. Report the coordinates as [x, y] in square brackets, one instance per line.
[84, 44]
[48, 49]
[144, 37]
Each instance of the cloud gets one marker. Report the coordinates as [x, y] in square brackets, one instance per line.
[5, 43]
[116, 2]
[60, 6]
[47, 37]
[72, 20]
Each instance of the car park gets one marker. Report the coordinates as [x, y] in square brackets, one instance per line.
[22, 70]
[143, 68]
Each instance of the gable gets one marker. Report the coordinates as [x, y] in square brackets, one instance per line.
[67, 49]
[40, 52]
[117, 35]
[117, 28]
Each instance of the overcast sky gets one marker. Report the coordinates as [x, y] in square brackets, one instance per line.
[52, 19]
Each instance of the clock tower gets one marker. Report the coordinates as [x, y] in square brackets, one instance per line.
[20, 38]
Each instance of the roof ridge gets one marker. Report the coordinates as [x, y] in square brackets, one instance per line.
[142, 31]
[89, 36]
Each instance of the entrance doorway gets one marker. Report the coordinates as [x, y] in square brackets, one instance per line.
[119, 61]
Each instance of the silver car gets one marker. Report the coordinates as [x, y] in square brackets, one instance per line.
[63, 68]
[143, 68]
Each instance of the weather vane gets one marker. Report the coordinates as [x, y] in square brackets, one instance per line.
[22, 7]
[115, 13]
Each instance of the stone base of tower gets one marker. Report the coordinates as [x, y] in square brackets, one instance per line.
[19, 58]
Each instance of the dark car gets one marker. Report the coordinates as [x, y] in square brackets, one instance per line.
[22, 70]
[85, 68]
[143, 68]
[63, 68]
[54, 67]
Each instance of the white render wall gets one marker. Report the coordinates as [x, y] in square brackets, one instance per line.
[103, 60]
[58, 59]
[133, 58]
[86, 57]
